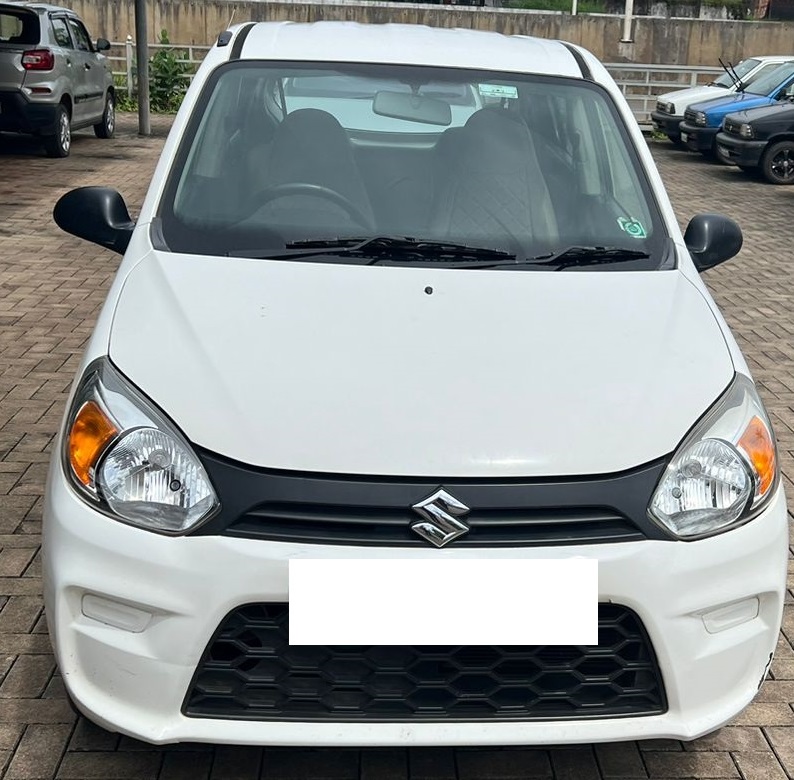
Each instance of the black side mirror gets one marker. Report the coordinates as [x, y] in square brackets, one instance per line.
[712, 239]
[97, 214]
[102, 44]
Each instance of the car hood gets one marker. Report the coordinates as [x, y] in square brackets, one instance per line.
[738, 101]
[681, 98]
[781, 111]
[419, 371]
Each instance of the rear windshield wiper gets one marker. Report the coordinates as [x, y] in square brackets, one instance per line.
[381, 248]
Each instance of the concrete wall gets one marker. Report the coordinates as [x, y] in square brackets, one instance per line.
[665, 41]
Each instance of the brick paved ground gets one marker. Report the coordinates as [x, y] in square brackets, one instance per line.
[51, 286]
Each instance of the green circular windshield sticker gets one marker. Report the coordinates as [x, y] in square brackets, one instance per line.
[633, 227]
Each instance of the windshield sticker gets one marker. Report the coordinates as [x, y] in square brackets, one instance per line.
[633, 227]
[498, 91]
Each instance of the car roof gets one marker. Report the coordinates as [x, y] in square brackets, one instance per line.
[38, 7]
[408, 44]
[768, 57]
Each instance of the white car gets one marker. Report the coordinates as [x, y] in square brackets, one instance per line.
[670, 106]
[471, 347]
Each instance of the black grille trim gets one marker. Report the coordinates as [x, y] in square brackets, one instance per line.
[249, 672]
[689, 116]
[376, 511]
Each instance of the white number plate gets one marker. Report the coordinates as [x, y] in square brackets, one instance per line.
[443, 602]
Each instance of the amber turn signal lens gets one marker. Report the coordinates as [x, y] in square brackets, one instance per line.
[757, 444]
[90, 433]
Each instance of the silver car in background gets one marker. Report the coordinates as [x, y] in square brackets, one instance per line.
[53, 78]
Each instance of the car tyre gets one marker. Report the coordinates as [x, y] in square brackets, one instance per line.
[777, 164]
[59, 144]
[106, 127]
[676, 141]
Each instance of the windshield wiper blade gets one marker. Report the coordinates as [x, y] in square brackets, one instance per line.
[588, 255]
[379, 249]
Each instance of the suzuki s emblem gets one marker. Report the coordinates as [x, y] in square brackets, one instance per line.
[440, 513]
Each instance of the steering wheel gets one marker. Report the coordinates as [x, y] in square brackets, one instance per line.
[277, 191]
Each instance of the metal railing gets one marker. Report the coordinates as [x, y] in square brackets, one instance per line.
[122, 60]
[639, 83]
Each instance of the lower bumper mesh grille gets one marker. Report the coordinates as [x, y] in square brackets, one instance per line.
[249, 671]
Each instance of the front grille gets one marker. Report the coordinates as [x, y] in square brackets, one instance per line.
[249, 671]
[377, 511]
[689, 116]
[323, 524]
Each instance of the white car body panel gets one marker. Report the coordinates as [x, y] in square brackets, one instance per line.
[358, 370]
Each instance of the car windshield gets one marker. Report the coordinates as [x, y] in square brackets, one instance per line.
[291, 159]
[740, 70]
[769, 84]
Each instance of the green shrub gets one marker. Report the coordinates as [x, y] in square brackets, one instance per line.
[584, 6]
[168, 81]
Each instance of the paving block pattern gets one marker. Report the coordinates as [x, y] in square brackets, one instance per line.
[51, 288]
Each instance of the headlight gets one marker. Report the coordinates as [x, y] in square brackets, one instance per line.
[700, 118]
[668, 108]
[723, 472]
[126, 458]
[746, 131]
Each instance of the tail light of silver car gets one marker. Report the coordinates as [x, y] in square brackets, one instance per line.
[38, 59]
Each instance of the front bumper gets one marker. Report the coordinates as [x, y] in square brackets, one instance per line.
[740, 151]
[666, 123]
[697, 137]
[20, 115]
[172, 593]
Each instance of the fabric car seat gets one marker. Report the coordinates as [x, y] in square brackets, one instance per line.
[494, 192]
[311, 147]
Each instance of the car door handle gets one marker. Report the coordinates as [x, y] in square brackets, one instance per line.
[87, 66]
[69, 63]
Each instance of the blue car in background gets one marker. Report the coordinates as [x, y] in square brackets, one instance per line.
[702, 121]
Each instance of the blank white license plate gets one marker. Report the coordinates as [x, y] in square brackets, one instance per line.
[684, 137]
[443, 602]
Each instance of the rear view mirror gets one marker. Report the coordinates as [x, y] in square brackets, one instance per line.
[97, 214]
[712, 239]
[413, 108]
[102, 44]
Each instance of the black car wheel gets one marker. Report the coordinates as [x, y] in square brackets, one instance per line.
[778, 163]
[107, 126]
[59, 144]
[676, 139]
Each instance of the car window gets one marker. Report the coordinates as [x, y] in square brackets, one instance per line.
[19, 27]
[277, 154]
[773, 80]
[741, 69]
[61, 32]
[81, 38]
[761, 72]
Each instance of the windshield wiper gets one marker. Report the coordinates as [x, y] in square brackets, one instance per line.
[382, 249]
[589, 255]
[573, 256]
[732, 75]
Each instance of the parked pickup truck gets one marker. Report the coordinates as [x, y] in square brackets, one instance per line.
[53, 79]
[670, 106]
[760, 139]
